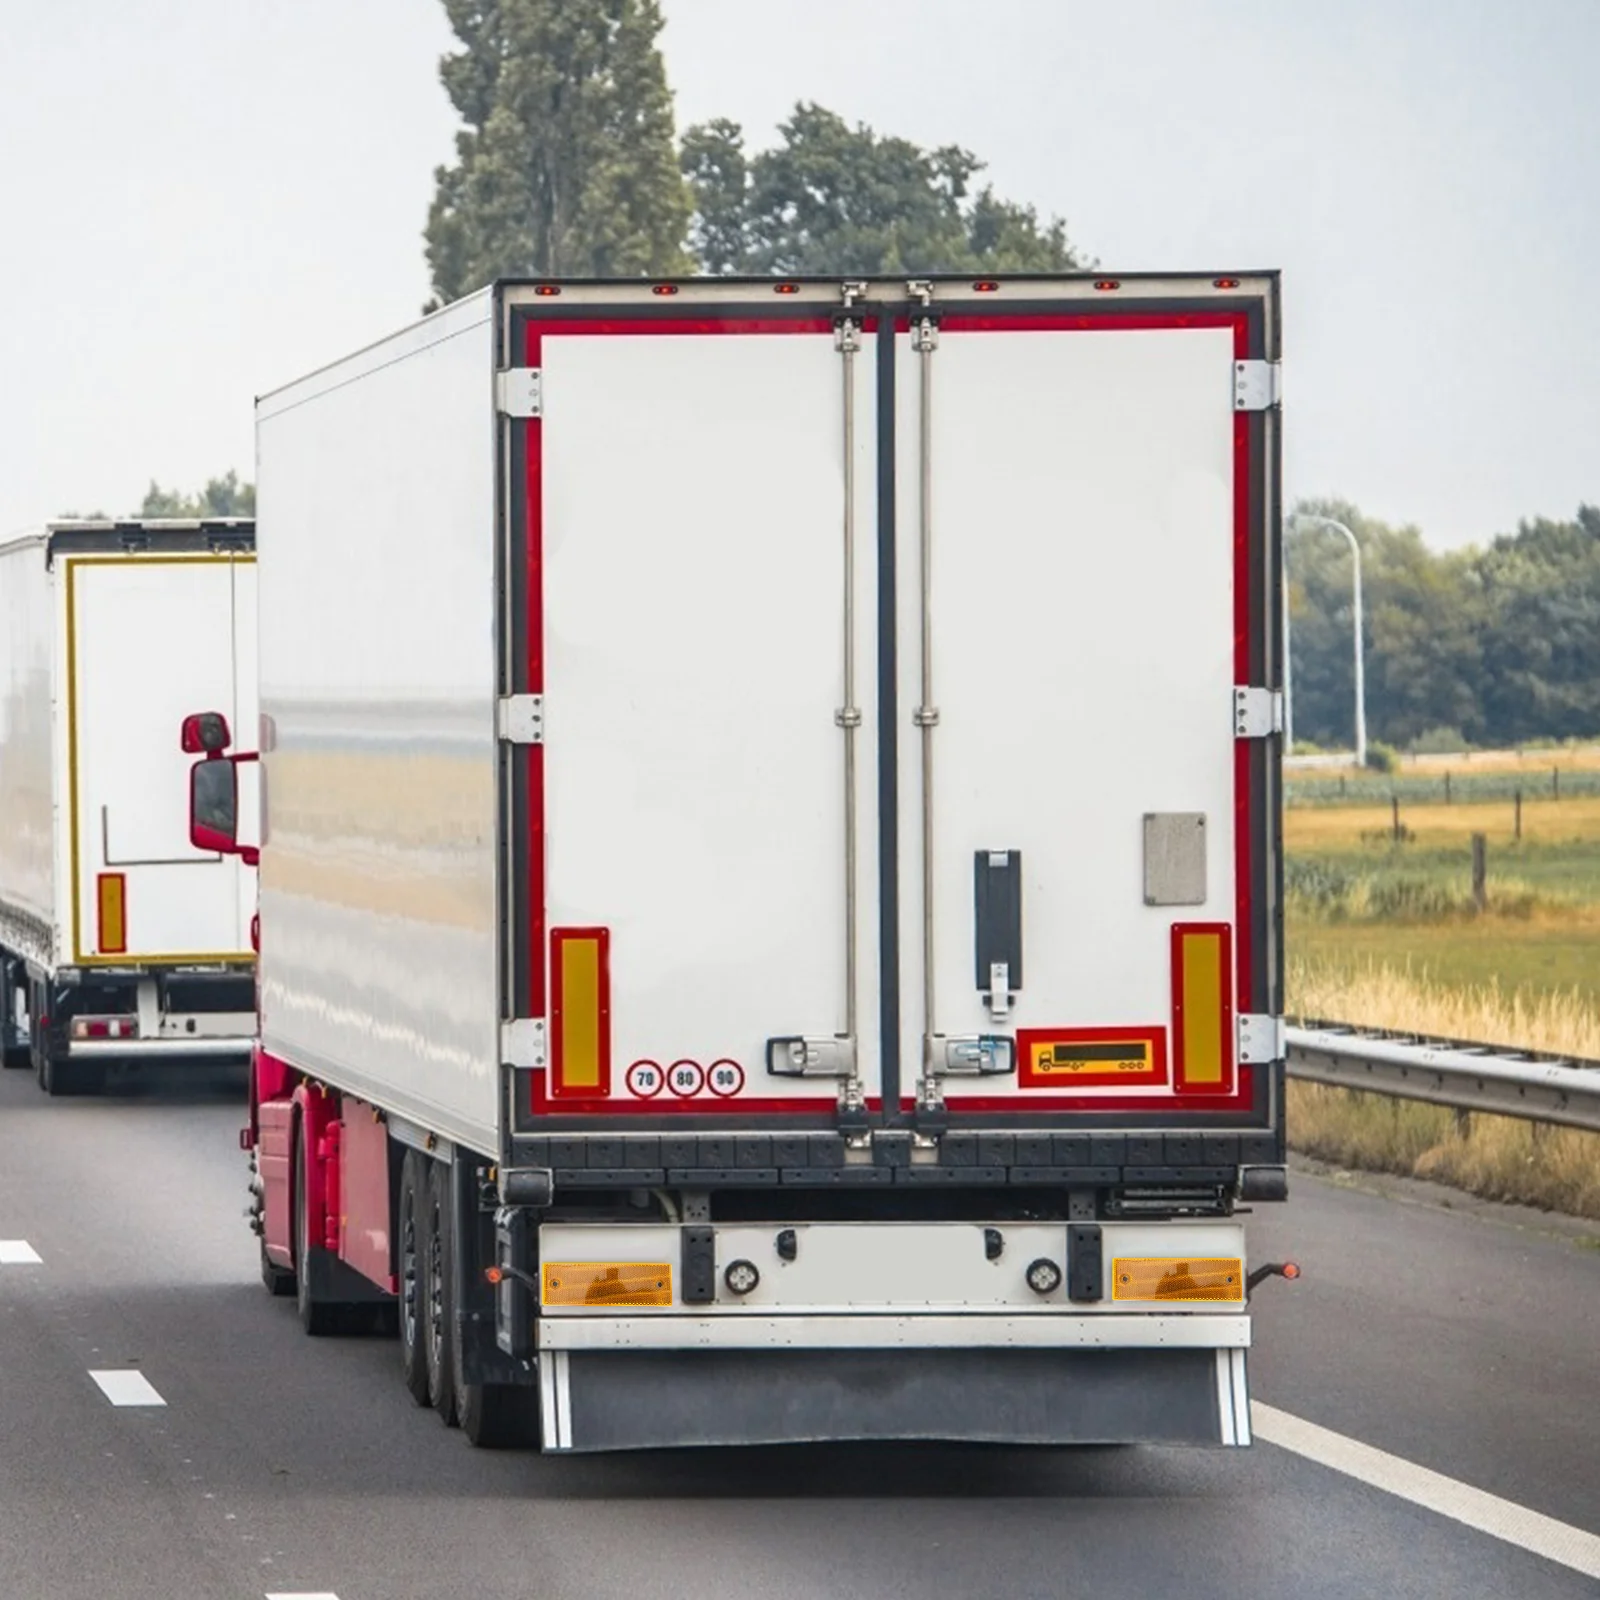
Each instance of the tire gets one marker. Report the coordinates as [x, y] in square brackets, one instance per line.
[280, 1281]
[15, 1051]
[410, 1265]
[439, 1342]
[499, 1416]
[317, 1317]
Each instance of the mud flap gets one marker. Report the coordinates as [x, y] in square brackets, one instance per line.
[635, 1400]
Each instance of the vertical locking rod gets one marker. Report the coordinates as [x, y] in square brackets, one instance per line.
[925, 339]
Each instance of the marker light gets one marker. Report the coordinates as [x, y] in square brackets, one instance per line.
[605, 1285]
[985, 286]
[1224, 283]
[547, 289]
[1104, 284]
[1044, 1276]
[741, 1277]
[1177, 1278]
[664, 288]
[786, 288]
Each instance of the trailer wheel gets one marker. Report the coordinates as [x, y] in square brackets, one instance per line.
[499, 1416]
[411, 1264]
[317, 1317]
[439, 1306]
[15, 1048]
[280, 1281]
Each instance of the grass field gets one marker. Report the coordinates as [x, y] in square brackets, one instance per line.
[1387, 934]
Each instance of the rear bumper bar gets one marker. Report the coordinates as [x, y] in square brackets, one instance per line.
[882, 1331]
[226, 1047]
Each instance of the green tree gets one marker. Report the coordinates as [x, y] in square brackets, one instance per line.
[832, 198]
[567, 164]
[221, 497]
[1498, 642]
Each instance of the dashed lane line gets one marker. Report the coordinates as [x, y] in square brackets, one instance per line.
[18, 1253]
[124, 1387]
[321, 1594]
[1488, 1513]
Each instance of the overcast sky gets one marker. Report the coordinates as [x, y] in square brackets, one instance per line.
[204, 198]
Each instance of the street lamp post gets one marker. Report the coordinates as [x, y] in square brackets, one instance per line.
[1361, 672]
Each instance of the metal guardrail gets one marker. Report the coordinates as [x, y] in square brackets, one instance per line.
[1449, 1072]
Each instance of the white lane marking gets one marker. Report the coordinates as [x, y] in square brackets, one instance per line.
[124, 1387]
[17, 1253]
[1488, 1513]
[296, 1594]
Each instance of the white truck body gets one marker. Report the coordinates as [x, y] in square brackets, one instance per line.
[756, 742]
[109, 633]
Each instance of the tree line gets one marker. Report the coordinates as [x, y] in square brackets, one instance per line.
[568, 164]
[1491, 645]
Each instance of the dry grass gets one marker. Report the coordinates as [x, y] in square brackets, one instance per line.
[1309, 828]
[1500, 1158]
[1400, 998]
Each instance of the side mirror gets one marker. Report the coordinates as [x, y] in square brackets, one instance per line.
[206, 731]
[214, 805]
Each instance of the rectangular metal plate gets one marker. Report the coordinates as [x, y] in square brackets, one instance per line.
[1175, 858]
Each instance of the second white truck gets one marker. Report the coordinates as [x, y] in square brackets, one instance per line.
[119, 941]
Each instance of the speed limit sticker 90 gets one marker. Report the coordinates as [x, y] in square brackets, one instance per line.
[725, 1078]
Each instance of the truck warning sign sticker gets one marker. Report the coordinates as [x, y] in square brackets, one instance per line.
[1064, 1059]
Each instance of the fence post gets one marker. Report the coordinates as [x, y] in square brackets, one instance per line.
[1394, 802]
[1463, 1124]
[1518, 829]
[1480, 871]
[1447, 788]
[1341, 786]
[1555, 783]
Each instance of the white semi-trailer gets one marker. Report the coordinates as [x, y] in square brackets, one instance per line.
[770, 916]
[119, 941]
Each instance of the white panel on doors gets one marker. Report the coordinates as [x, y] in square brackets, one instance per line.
[153, 640]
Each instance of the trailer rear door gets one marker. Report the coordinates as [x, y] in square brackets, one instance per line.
[1080, 593]
[887, 657]
[151, 638]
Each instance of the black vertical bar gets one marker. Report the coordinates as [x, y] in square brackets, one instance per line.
[888, 735]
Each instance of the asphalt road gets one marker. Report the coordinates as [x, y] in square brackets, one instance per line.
[283, 1465]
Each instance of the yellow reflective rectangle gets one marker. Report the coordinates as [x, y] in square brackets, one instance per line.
[1200, 1016]
[607, 1283]
[113, 921]
[1177, 1278]
[579, 1062]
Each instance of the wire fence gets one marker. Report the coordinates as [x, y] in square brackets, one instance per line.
[1443, 788]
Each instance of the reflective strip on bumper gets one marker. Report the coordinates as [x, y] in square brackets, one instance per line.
[881, 1331]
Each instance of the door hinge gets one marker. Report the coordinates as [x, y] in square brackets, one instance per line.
[522, 1042]
[1257, 385]
[519, 392]
[1257, 713]
[1261, 1038]
[520, 719]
